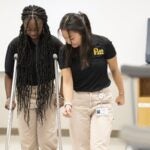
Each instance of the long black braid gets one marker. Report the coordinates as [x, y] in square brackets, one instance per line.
[44, 64]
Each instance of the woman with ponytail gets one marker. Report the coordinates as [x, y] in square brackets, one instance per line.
[84, 60]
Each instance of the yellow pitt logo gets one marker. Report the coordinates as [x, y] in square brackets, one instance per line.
[98, 51]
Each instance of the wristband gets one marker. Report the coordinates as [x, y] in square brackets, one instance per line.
[67, 103]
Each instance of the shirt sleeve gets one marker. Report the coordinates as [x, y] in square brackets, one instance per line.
[110, 51]
[9, 59]
[62, 58]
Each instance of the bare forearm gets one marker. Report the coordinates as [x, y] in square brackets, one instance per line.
[68, 90]
[8, 84]
[67, 84]
[118, 81]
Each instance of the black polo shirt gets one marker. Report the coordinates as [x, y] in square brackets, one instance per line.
[95, 76]
[12, 49]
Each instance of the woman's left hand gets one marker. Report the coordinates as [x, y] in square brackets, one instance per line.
[120, 100]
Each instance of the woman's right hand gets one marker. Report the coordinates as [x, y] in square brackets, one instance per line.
[8, 103]
[67, 110]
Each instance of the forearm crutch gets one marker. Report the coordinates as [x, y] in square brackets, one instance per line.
[12, 97]
[57, 101]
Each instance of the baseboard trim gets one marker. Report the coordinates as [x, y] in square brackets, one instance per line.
[65, 132]
[14, 131]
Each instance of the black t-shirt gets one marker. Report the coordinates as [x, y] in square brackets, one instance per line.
[12, 49]
[95, 76]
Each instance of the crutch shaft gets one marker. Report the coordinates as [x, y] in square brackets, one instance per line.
[10, 112]
[57, 101]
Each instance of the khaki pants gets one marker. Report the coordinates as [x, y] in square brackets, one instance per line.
[36, 134]
[89, 129]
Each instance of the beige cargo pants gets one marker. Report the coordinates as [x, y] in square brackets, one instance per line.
[36, 134]
[91, 121]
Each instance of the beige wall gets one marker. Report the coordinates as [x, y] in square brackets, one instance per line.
[123, 114]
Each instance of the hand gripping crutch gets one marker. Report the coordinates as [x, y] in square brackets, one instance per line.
[57, 101]
[10, 112]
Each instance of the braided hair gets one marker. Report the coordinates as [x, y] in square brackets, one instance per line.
[44, 64]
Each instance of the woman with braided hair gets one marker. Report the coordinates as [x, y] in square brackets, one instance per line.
[84, 60]
[35, 47]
